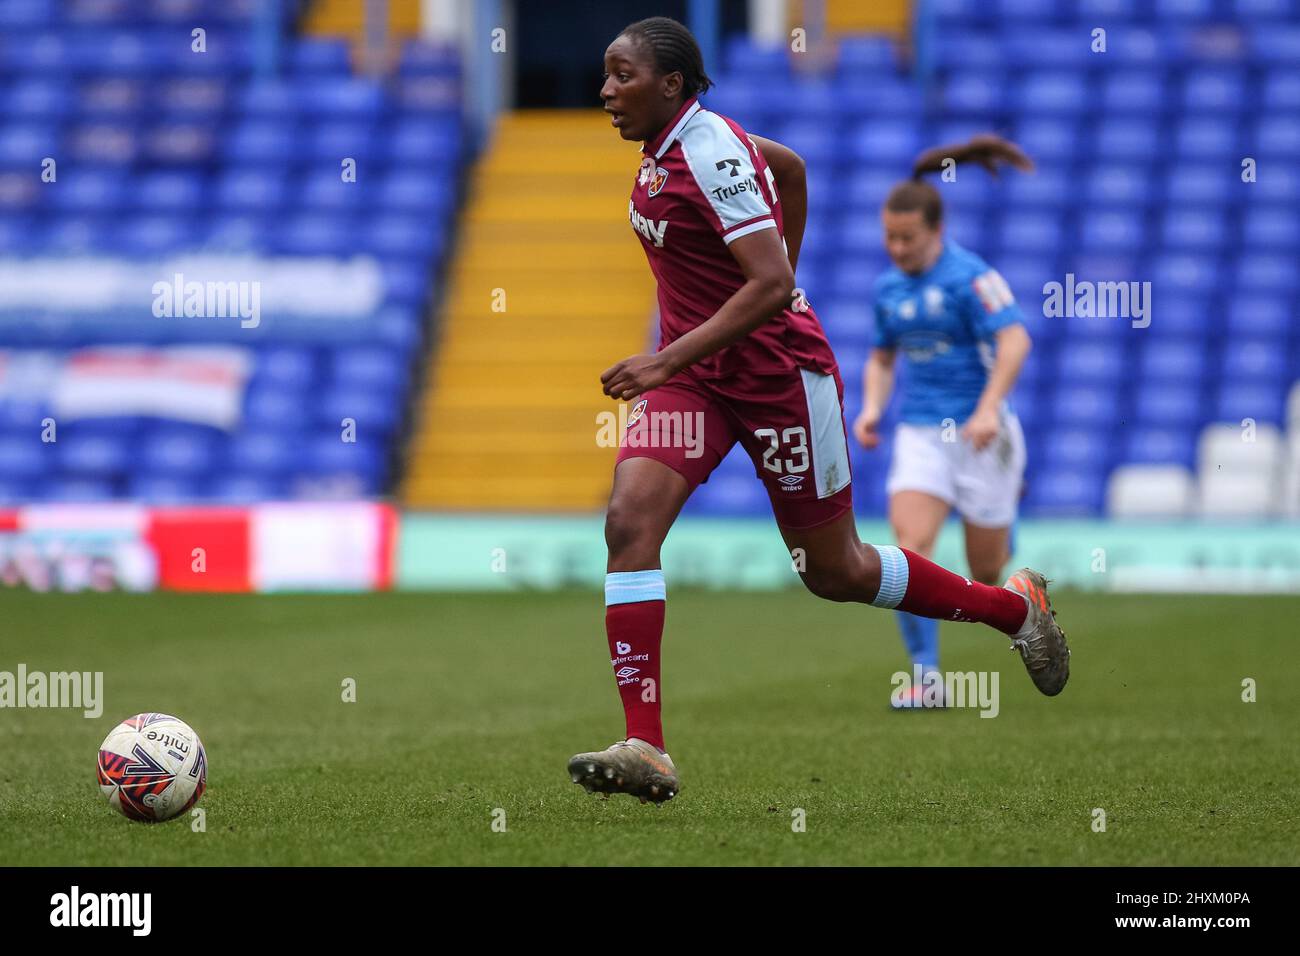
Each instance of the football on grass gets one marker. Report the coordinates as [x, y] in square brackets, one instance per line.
[152, 767]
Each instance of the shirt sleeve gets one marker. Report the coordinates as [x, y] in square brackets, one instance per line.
[727, 177]
[991, 306]
[885, 338]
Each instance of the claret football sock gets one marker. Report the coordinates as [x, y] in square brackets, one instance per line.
[910, 583]
[634, 625]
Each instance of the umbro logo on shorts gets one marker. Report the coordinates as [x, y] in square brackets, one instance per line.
[791, 482]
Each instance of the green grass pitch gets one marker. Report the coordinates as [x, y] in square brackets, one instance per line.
[468, 705]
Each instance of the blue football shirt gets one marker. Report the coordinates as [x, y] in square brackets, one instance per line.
[943, 322]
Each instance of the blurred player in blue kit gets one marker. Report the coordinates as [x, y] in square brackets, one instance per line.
[958, 444]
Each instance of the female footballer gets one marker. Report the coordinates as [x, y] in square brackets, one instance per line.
[963, 338]
[720, 215]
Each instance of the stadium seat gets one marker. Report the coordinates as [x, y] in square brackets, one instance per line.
[1096, 363]
[1174, 360]
[1229, 448]
[245, 489]
[979, 93]
[362, 460]
[1271, 228]
[1085, 449]
[1214, 92]
[1128, 139]
[1170, 406]
[93, 455]
[1139, 92]
[1253, 360]
[76, 490]
[263, 453]
[1150, 491]
[1194, 229]
[163, 489]
[1125, 184]
[1238, 496]
[1113, 231]
[1054, 93]
[1250, 399]
[1281, 91]
[1293, 411]
[1080, 405]
[1152, 446]
[1064, 493]
[1260, 272]
[177, 452]
[252, 189]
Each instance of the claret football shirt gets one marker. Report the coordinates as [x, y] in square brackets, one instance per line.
[702, 185]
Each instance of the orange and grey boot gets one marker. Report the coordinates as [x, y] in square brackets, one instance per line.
[1041, 641]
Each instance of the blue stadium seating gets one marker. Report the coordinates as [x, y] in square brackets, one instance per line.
[163, 151]
[1140, 178]
[1139, 151]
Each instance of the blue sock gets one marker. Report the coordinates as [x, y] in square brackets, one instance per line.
[921, 638]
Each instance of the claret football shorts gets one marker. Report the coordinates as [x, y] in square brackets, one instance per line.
[791, 426]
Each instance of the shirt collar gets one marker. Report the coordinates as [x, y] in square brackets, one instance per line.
[668, 135]
[943, 254]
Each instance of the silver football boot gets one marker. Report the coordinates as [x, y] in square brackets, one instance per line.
[628, 766]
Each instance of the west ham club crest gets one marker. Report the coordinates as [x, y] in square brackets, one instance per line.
[657, 182]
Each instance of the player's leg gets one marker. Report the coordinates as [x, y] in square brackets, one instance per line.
[807, 439]
[675, 438]
[645, 501]
[794, 432]
[987, 551]
[916, 518]
[921, 487]
[839, 566]
[988, 498]
[988, 495]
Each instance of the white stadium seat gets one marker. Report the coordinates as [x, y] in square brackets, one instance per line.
[1291, 477]
[1293, 410]
[1150, 491]
[1241, 494]
[1224, 448]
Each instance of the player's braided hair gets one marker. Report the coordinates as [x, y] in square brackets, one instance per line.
[673, 49]
[916, 194]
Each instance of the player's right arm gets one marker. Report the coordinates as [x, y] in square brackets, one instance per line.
[877, 386]
[768, 286]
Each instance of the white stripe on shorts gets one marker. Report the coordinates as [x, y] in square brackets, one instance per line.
[830, 451]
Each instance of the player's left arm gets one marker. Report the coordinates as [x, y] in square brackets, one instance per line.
[791, 179]
[992, 311]
[1011, 345]
[769, 283]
